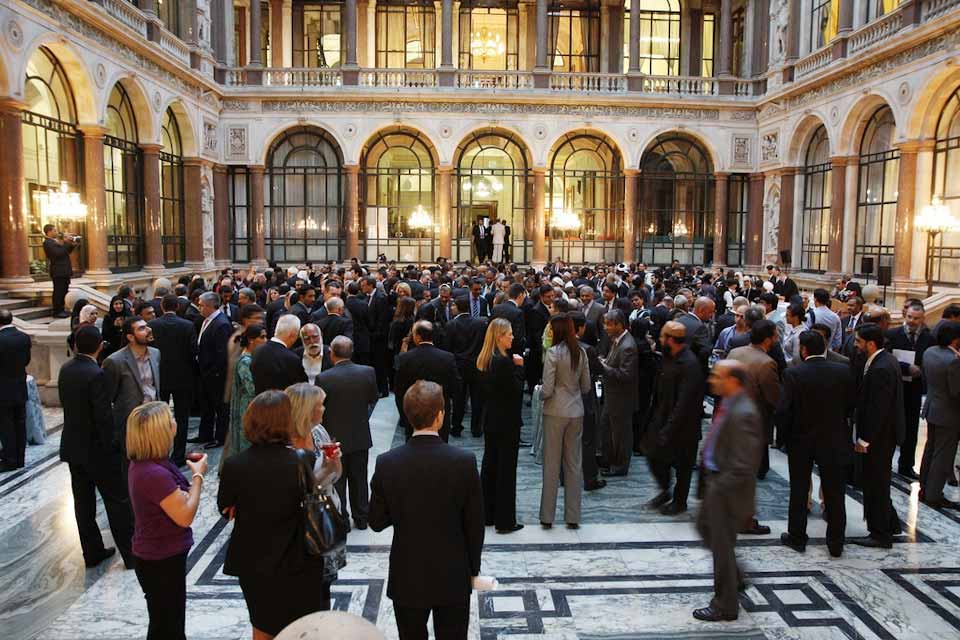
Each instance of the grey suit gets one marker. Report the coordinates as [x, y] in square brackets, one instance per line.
[732, 452]
[620, 375]
[941, 376]
[125, 387]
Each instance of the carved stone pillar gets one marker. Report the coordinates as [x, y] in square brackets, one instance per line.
[634, 82]
[152, 213]
[754, 239]
[352, 198]
[350, 32]
[541, 78]
[725, 66]
[254, 59]
[193, 212]
[258, 249]
[785, 234]
[14, 248]
[720, 208]
[276, 33]
[444, 217]
[446, 41]
[94, 195]
[838, 48]
[221, 215]
[631, 178]
[906, 204]
[539, 216]
[838, 186]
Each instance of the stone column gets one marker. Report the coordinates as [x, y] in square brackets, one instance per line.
[95, 198]
[258, 249]
[631, 178]
[721, 206]
[634, 79]
[193, 213]
[838, 48]
[371, 33]
[276, 33]
[14, 248]
[725, 66]
[760, 54]
[605, 39]
[444, 214]
[351, 174]
[906, 204]
[286, 18]
[785, 233]
[792, 53]
[253, 53]
[838, 186]
[754, 240]
[350, 32]
[541, 71]
[446, 39]
[539, 215]
[221, 215]
[152, 214]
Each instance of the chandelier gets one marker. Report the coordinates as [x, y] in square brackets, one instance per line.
[680, 228]
[936, 218]
[419, 219]
[60, 203]
[309, 224]
[565, 220]
[484, 187]
[484, 44]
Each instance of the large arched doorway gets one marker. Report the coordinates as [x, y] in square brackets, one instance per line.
[676, 217]
[304, 197]
[51, 148]
[123, 183]
[946, 184]
[398, 196]
[876, 195]
[585, 200]
[493, 181]
[172, 237]
[815, 215]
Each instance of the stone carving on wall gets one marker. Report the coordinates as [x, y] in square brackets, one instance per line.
[206, 210]
[770, 147]
[779, 19]
[238, 105]
[743, 116]
[14, 33]
[741, 150]
[771, 224]
[203, 23]
[210, 137]
[237, 142]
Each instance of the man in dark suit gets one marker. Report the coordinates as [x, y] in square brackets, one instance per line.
[477, 304]
[620, 375]
[379, 319]
[351, 397]
[303, 307]
[512, 311]
[14, 358]
[227, 307]
[731, 456]
[177, 341]
[429, 492]
[464, 339]
[482, 242]
[697, 332]
[333, 322]
[537, 317]
[815, 405]
[784, 285]
[675, 422]
[360, 313]
[90, 448]
[913, 336]
[426, 362]
[880, 427]
[941, 376]
[440, 310]
[215, 332]
[274, 365]
[58, 249]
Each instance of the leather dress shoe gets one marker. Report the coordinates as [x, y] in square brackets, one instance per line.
[943, 503]
[835, 552]
[9, 466]
[789, 541]
[213, 444]
[108, 552]
[870, 541]
[546, 525]
[673, 508]
[709, 614]
[360, 525]
[755, 529]
[658, 500]
[594, 485]
[909, 473]
[512, 529]
[573, 525]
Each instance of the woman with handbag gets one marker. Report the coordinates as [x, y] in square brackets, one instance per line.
[271, 550]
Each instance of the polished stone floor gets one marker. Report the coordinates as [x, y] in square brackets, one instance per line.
[627, 573]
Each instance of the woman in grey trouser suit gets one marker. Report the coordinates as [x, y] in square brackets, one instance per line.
[566, 377]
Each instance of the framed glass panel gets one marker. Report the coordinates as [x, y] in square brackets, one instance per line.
[123, 183]
[877, 194]
[824, 21]
[815, 218]
[659, 36]
[573, 37]
[707, 44]
[169, 13]
[946, 184]
[878, 8]
[406, 35]
[738, 186]
[172, 236]
[266, 55]
[489, 35]
[238, 208]
[317, 35]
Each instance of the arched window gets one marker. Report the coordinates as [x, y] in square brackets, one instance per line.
[492, 182]
[824, 21]
[304, 199]
[878, 8]
[406, 34]
[51, 146]
[946, 184]
[573, 36]
[489, 35]
[398, 181]
[172, 237]
[585, 200]
[677, 198]
[659, 36]
[123, 184]
[876, 194]
[317, 38]
[815, 219]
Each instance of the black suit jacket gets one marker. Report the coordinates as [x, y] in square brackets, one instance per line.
[358, 309]
[880, 418]
[58, 258]
[536, 317]
[212, 352]
[816, 402]
[333, 326]
[273, 366]
[14, 358]
[352, 394]
[484, 308]
[429, 492]
[464, 339]
[678, 406]
[510, 311]
[87, 417]
[380, 317]
[177, 341]
[274, 310]
[503, 387]
[426, 362]
[898, 339]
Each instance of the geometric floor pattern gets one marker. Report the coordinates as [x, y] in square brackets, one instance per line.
[626, 573]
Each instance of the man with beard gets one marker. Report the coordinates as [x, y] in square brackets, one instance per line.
[314, 354]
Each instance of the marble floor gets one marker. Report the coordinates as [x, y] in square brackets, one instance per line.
[626, 573]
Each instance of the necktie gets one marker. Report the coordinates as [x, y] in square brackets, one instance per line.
[474, 307]
[913, 338]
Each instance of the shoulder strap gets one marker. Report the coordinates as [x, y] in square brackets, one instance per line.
[304, 471]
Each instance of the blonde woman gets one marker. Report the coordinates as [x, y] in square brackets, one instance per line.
[164, 506]
[501, 377]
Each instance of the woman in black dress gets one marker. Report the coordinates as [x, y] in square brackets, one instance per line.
[400, 326]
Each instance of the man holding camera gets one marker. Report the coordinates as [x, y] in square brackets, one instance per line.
[58, 248]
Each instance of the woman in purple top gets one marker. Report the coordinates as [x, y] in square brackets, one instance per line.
[164, 505]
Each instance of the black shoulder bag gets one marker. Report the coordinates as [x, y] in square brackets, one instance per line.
[324, 527]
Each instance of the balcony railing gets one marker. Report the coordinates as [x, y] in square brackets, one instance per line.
[816, 60]
[398, 78]
[877, 31]
[175, 46]
[679, 85]
[594, 82]
[467, 79]
[936, 8]
[126, 13]
[305, 77]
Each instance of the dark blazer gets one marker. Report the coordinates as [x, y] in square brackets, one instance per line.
[212, 350]
[697, 338]
[678, 405]
[816, 401]
[58, 257]
[274, 310]
[333, 326]
[14, 357]
[352, 394]
[510, 311]
[537, 317]
[361, 323]
[380, 317]
[880, 417]
[176, 340]
[464, 339]
[263, 483]
[620, 375]
[434, 312]
[484, 307]
[503, 388]
[300, 310]
[88, 436]
[941, 374]
[430, 493]
[897, 338]
[274, 366]
[788, 288]
[124, 388]
[231, 311]
[426, 362]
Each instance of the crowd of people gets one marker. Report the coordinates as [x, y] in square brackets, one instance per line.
[616, 362]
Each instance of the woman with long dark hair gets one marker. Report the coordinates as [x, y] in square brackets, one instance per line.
[566, 377]
[400, 326]
[113, 324]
